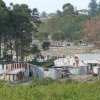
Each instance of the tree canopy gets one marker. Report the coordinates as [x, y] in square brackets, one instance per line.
[93, 7]
[71, 24]
[17, 25]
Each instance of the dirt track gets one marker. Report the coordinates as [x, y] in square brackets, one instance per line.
[60, 51]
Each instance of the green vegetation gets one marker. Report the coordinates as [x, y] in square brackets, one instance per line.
[45, 45]
[42, 81]
[34, 49]
[47, 63]
[67, 25]
[93, 7]
[53, 91]
[70, 24]
[18, 23]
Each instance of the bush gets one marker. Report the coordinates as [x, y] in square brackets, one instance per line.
[42, 81]
[47, 63]
[69, 80]
[45, 45]
[2, 83]
[34, 49]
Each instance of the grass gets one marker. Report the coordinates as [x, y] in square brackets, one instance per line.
[53, 91]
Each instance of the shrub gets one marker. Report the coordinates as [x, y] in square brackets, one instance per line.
[2, 83]
[69, 80]
[42, 81]
[45, 45]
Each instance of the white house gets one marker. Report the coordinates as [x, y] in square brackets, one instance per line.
[74, 61]
[62, 62]
[92, 60]
[79, 62]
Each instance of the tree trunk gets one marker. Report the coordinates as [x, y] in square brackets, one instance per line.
[22, 53]
[0, 48]
[16, 44]
[11, 52]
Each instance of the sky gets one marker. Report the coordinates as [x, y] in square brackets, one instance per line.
[50, 6]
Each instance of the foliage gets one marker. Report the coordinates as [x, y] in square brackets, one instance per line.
[2, 84]
[59, 13]
[34, 49]
[71, 24]
[70, 81]
[42, 81]
[92, 29]
[47, 63]
[93, 7]
[43, 15]
[45, 45]
[68, 9]
[53, 91]
[43, 36]
[58, 36]
[17, 25]
[65, 27]
[99, 8]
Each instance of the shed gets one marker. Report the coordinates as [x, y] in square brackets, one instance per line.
[52, 73]
[45, 72]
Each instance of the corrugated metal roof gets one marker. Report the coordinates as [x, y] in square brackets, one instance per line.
[89, 57]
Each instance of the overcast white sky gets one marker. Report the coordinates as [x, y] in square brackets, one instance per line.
[51, 5]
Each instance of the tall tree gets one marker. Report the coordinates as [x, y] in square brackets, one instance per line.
[59, 13]
[24, 22]
[92, 29]
[93, 7]
[43, 16]
[99, 8]
[58, 36]
[68, 9]
[3, 22]
[43, 36]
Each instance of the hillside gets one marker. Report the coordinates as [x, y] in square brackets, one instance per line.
[71, 24]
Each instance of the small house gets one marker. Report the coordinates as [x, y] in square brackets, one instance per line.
[14, 71]
[80, 63]
[90, 59]
[62, 62]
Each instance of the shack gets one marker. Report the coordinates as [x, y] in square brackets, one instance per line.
[91, 60]
[14, 71]
[43, 72]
